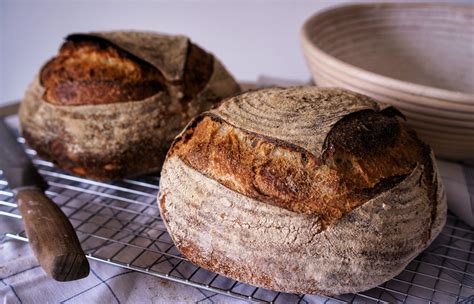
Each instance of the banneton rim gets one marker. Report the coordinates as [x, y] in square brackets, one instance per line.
[302, 190]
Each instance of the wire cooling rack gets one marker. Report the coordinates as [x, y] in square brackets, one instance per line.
[119, 224]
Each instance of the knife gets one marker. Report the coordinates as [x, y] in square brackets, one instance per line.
[51, 236]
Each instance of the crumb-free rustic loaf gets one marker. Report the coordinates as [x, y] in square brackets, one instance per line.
[109, 104]
[302, 190]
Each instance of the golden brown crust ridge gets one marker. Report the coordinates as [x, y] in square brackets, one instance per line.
[92, 71]
[269, 171]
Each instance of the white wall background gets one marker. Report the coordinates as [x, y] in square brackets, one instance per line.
[250, 37]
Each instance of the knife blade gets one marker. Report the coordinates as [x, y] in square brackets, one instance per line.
[51, 236]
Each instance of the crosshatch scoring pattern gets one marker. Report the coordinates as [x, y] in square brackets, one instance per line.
[119, 223]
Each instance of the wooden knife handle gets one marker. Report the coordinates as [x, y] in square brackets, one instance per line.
[52, 237]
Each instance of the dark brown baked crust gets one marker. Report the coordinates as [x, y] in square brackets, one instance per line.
[367, 153]
[197, 71]
[110, 104]
[143, 156]
[93, 71]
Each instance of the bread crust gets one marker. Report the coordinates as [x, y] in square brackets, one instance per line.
[93, 71]
[113, 140]
[326, 226]
[271, 172]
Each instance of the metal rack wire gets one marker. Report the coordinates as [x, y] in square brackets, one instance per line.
[119, 224]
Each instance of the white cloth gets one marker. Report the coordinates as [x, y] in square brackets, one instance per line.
[458, 180]
[23, 281]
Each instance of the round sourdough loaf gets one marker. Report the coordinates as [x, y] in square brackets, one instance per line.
[301, 190]
[109, 104]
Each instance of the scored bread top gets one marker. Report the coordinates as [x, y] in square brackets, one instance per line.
[95, 72]
[167, 53]
[109, 67]
[309, 150]
[302, 116]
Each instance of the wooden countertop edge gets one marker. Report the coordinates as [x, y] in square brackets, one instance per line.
[10, 108]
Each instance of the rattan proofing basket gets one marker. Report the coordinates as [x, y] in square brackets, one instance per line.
[417, 57]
